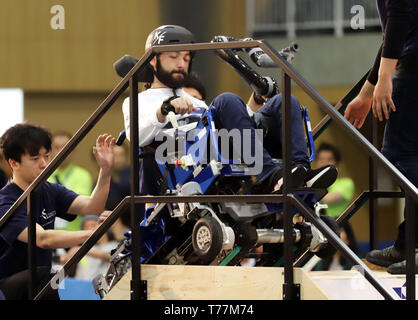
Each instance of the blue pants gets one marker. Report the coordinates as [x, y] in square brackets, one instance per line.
[231, 113]
[400, 142]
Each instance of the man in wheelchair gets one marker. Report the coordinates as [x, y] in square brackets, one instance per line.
[217, 234]
[167, 73]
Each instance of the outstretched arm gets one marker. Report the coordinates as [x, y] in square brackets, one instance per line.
[51, 239]
[95, 203]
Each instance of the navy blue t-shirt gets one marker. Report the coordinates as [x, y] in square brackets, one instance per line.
[53, 201]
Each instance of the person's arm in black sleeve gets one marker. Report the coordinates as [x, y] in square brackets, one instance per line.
[377, 90]
[374, 72]
[398, 24]
[400, 16]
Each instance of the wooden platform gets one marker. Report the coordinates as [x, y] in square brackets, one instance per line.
[351, 285]
[254, 283]
[215, 283]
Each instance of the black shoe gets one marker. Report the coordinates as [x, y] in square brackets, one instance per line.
[321, 178]
[297, 174]
[385, 257]
[400, 267]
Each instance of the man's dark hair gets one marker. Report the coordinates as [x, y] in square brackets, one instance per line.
[24, 138]
[329, 147]
[193, 81]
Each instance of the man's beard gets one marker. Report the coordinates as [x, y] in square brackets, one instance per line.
[167, 77]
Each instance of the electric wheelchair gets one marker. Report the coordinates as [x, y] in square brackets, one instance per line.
[225, 233]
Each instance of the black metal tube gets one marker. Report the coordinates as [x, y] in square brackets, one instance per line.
[410, 247]
[373, 216]
[335, 240]
[135, 215]
[288, 285]
[32, 263]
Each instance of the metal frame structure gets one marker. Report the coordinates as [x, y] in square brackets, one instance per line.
[289, 199]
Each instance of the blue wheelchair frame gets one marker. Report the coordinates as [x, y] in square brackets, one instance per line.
[205, 174]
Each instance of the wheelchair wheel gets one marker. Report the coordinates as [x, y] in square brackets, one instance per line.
[328, 250]
[207, 239]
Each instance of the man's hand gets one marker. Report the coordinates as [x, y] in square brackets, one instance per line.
[183, 105]
[357, 111]
[382, 96]
[382, 99]
[359, 107]
[70, 253]
[103, 152]
[103, 217]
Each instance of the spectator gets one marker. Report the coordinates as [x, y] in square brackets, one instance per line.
[338, 198]
[96, 261]
[5, 172]
[70, 176]
[341, 192]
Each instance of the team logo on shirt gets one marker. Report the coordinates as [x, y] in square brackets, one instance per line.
[48, 215]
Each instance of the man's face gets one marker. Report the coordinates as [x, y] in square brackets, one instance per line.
[325, 158]
[30, 166]
[171, 68]
[58, 142]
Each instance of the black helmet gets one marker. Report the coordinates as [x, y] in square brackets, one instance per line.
[163, 35]
[169, 34]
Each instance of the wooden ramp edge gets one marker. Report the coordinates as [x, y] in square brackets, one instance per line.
[181, 282]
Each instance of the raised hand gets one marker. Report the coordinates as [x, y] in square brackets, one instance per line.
[103, 152]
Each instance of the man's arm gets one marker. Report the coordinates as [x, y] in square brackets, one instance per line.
[399, 19]
[95, 203]
[94, 253]
[51, 239]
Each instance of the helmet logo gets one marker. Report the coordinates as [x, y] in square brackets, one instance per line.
[158, 37]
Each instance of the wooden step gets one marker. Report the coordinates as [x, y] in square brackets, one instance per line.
[181, 282]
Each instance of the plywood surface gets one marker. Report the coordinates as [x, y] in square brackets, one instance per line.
[215, 283]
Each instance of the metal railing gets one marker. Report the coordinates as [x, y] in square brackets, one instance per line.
[135, 202]
[290, 16]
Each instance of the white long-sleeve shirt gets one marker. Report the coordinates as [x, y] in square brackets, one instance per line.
[148, 103]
